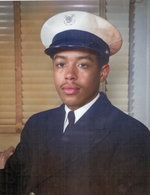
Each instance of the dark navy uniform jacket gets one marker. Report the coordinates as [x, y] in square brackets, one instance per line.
[106, 153]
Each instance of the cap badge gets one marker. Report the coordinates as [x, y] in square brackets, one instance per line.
[69, 19]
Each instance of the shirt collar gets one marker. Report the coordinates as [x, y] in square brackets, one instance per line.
[80, 111]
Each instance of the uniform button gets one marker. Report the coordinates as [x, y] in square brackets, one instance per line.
[32, 193]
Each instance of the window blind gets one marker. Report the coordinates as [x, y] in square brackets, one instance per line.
[117, 13]
[7, 68]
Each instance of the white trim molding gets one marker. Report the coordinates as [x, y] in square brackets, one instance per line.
[139, 78]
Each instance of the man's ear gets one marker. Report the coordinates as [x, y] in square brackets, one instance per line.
[104, 72]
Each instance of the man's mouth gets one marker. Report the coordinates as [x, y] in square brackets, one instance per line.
[70, 89]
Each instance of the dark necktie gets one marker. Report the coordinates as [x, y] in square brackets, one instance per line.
[71, 119]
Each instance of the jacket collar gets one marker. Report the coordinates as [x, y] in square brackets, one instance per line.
[90, 129]
[94, 119]
[97, 115]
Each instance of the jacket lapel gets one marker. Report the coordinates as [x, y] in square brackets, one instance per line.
[86, 134]
[92, 125]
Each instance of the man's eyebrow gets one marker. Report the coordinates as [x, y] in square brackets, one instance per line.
[85, 57]
[59, 56]
[78, 57]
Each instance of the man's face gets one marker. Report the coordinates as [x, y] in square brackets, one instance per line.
[77, 77]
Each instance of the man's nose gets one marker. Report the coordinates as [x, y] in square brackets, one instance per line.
[71, 72]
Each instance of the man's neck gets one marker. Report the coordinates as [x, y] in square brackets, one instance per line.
[80, 111]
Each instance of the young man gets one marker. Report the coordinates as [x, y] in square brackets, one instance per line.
[86, 146]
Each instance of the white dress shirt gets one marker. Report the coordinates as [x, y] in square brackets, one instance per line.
[79, 112]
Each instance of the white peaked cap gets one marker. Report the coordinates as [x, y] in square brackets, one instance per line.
[82, 21]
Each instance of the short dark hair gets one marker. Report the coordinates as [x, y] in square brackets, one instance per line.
[102, 60]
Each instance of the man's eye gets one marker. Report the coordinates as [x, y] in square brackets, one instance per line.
[83, 65]
[60, 65]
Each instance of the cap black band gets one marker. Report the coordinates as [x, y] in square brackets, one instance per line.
[76, 39]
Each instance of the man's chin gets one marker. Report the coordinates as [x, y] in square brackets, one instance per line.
[71, 103]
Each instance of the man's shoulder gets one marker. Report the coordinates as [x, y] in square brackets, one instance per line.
[126, 124]
[47, 113]
[119, 118]
[44, 118]
[42, 122]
